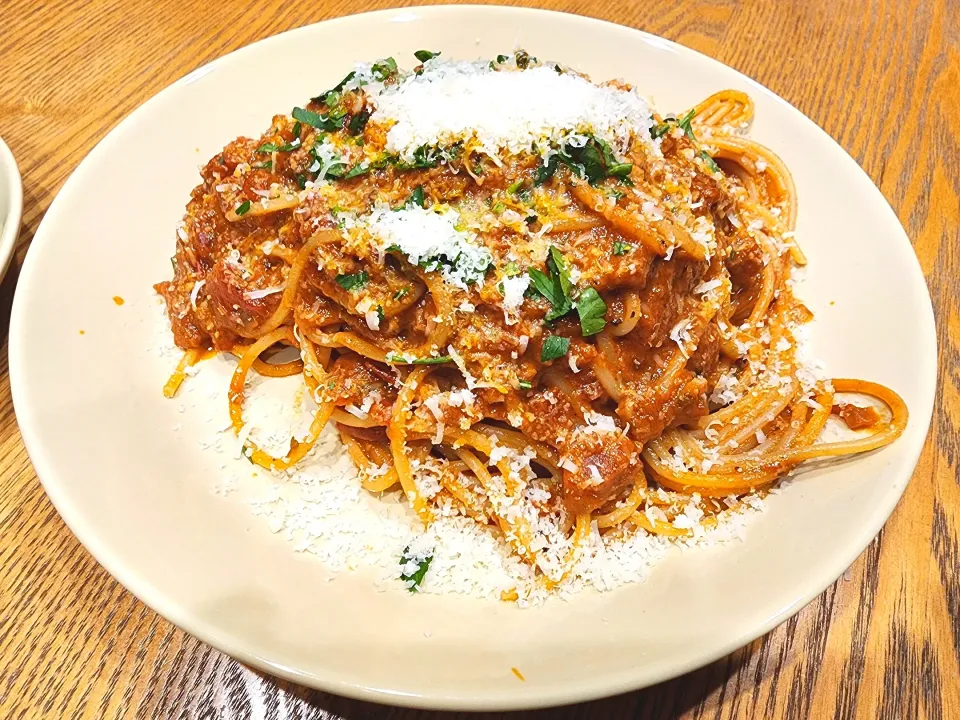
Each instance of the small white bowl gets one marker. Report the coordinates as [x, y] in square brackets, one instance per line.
[11, 205]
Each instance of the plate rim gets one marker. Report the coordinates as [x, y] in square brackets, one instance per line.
[544, 697]
[11, 223]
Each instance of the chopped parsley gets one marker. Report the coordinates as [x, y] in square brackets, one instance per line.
[352, 281]
[417, 198]
[326, 167]
[358, 122]
[329, 97]
[594, 161]
[554, 347]
[415, 578]
[383, 69]
[267, 148]
[684, 123]
[380, 314]
[591, 308]
[710, 162]
[555, 286]
[316, 120]
[357, 171]
[366, 167]
[501, 59]
[423, 157]
[398, 359]
[524, 384]
[424, 55]
[242, 208]
[515, 187]
[401, 293]
[621, 248]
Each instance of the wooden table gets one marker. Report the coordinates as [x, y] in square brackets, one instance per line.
[881, 76]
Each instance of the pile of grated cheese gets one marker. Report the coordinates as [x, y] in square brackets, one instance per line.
[431, 237]
[505, 110]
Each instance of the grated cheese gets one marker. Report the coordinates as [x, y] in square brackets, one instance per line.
[257, 294]
[513, 290]
[458, 101]
[427, 236]
[195, 292]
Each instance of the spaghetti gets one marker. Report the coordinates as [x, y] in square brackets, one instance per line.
[544, 323]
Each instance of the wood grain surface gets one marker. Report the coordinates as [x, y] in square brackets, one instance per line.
[881, 76]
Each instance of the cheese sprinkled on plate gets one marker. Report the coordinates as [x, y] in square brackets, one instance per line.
[453, 101]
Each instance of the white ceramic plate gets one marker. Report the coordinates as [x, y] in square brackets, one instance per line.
[138, 495]
[11, 206]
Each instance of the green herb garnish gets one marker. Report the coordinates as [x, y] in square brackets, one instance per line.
[621, 248]
[357, 171]
[290, 146]
[423, 157]
[514, 187]
[401, 293]
[242, 208]
[417, 198]
[321, 122]
[594, 161]
[591, 308]
[710, 162]
[554, 347]
[353, 281]
[366, 167]
[358, 122]
[323, 97]
[524, 384]
[398, 359]
[424, 55]
[267, 148]
[661, 129]
[415, 578]
[684, 124]
[554, 285]
[382, 69]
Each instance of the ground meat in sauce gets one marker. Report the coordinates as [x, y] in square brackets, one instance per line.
[606, 464]
[857, 417]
